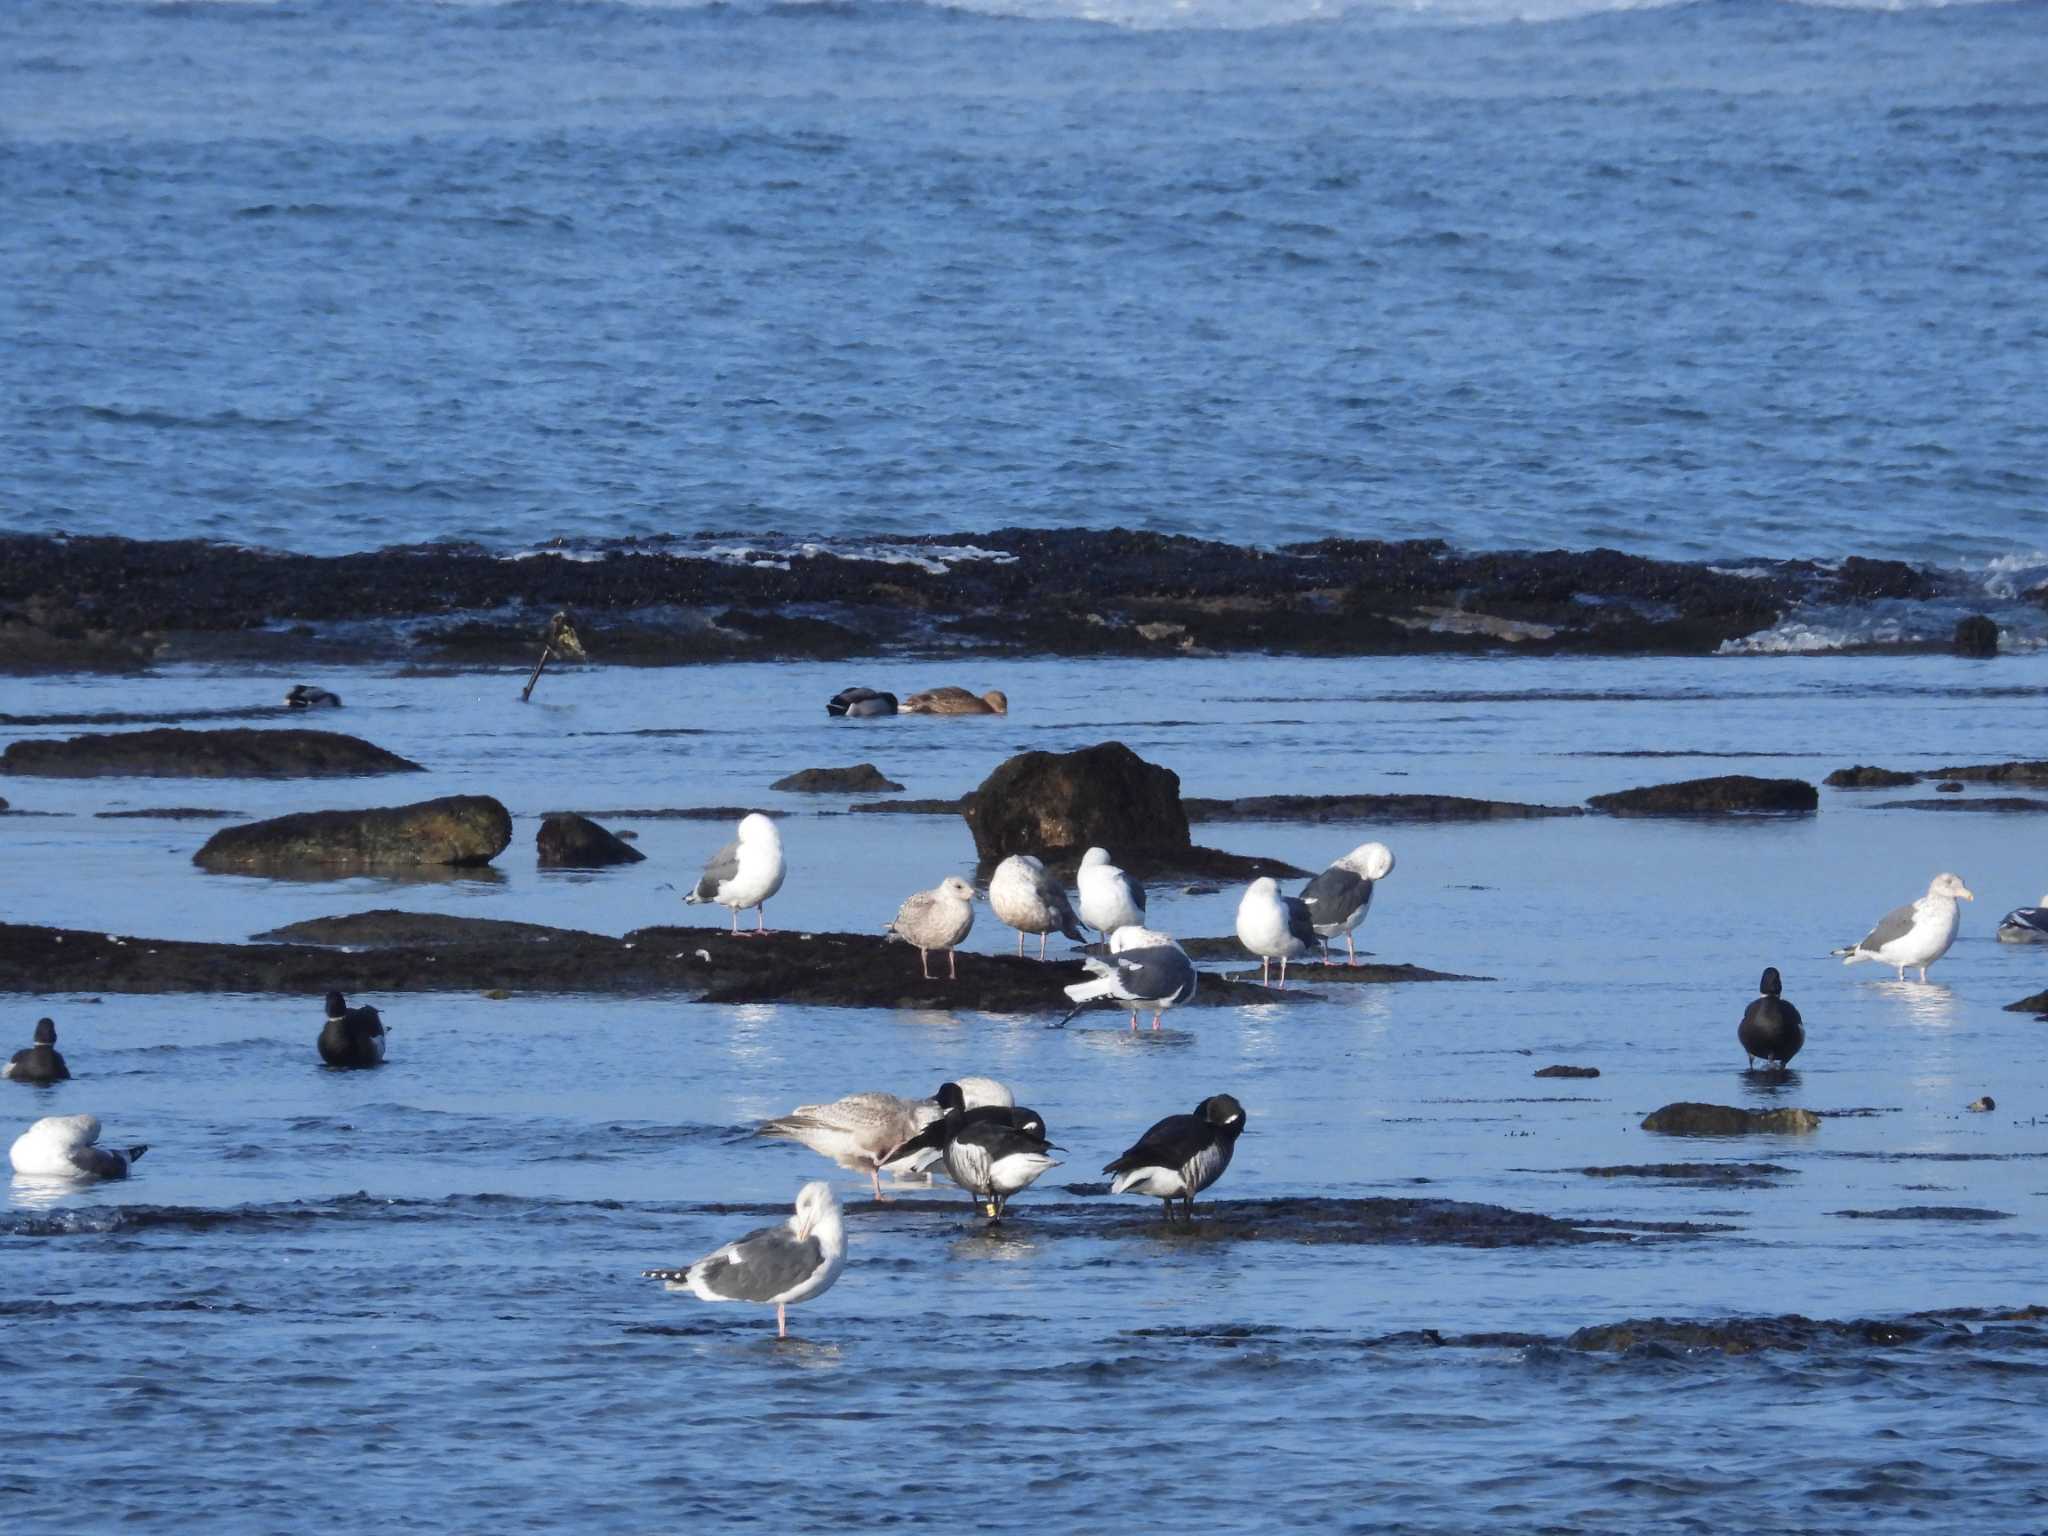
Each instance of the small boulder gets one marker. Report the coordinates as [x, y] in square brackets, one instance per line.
[1975, 636]
[1948, 787]
[1104, 795]
[1726, 1120]
[861, 778]
[456, 829]
[569, 841]
[1861, 777]
[1567, 1072]
[1730, 794]
[224, 754]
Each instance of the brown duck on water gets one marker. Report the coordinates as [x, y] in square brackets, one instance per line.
[955, 701]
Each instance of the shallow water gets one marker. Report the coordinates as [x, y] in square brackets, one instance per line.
[433, 1269]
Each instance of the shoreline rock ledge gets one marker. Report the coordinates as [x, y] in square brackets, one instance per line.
[453, 830]
[239, 753]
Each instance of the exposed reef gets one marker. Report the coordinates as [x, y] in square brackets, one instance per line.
[221, 754]
[1730, 794]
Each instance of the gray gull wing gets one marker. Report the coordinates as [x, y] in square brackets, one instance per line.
[1895, 924]
[760, 1266]
[724, 866]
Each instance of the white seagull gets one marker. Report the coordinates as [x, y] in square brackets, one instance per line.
[1917, 934]
[936, 919]
[744, 873]
[1274, 927]
[1029, 900]
[859, 1130]
[1110, 899]
[1146, 968]
[67, 1147]
[1338, 898]
[775, 1266]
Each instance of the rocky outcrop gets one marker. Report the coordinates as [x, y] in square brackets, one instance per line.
[1862, 777]
[1975, 636]
[2007, 804]
[1745, 1175]
[568, 841]
[861, 778]
[1367, 810]
[1727, 1120]
[2034, 774]
[1106, 795]
[1566, 1072]
[389, 928]
[454, 830]
[1732, 794]
[222, 754]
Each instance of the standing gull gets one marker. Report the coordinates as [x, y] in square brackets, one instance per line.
[1024, 896]
[1917, 934]
[774, 1266]
[1337, 899]
[1110, 899]
[1145, 968]
[1770, 1030]
[351, 1037]
[2025, 925]
[936, 919]
[1274, 927]
[1182, 1155]
[861, 1129]
[41, 1062]
[67, 1147]
[744, 873]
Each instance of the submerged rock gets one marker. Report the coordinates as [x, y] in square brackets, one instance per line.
[1728, 794]
[388, 928]
[171, 753]
[860, 778]
[1927, 1213]
[1567, 1072]
[1368, 809]
[568, 841]
[1105, 795]
[1746, 1174]
[453, 830]
[1311, 971]
[1862, 777]
[1738, 1335]
[2007, 804]
[1975, 636]
[1727, 1120]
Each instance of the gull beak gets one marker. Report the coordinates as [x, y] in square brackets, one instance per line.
[1967, 895]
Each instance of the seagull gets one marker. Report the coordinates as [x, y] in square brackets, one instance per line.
[1274, 927]
[40, 1063]
[1770, 1030]
[1917, 934]
[67, 1147]
[774, 1266]
[936, 919]
[921, 1152]
[1145, 967]
[1110, 899]
[744, 873]
[1337, 899]
[956, 701]
[352, 1037]
[993, 1159]
[2025, 925]
[1182, 1155]
[1024, 896]
[859, 1130]
[860, 703]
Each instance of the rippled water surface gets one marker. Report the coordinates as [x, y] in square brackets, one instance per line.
[430, 1273]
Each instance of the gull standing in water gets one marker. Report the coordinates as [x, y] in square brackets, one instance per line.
[1338, 898]
[1029, 900]
[1274, 927]
[1110, 899]
[744, 873]
[774, 1266]
[1146, 968]
[1917, 934]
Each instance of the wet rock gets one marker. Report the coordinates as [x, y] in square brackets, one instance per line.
[1861, 777]
[1860, 580]
[223, 754]
[453, 830]
[783, 633]
[861, 778]
[730, 813]
[912, 807]
[2007, 804]
[388, 928]
[45, 632]
[169, 813]
[1983, 1105]
[1975, 636]
[1726, 1120]
[1737, 1336]
[2031, 774]
[1725, 795]
[1567, 1072]
[1948, 787]
[1927, 1213]
[568, 841]
[1367, 810]
[1312, 972]
[1742, 1174]
[1105, 795]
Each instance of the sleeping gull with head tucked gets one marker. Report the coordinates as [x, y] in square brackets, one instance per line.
[67, 1147]
[1110, 899]
[1145, 969]
[1917, 934]
[1274, 927]
[773, 1266]
[1027, 898]
[1338, 898]
[745, 872]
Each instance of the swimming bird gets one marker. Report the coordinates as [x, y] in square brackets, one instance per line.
[306, 696]
[1917, 934]
[1274, 927]
[66, 1147]
[775, 1266]
[861, 1129]
[936, 919]
[993, 1158]
[860, 703]
[2025, 925]
[1024, 896]
[1337, 899]
[956, 701]
[920, 1152]
[744, 873]
[351, 1037]
[1770, 1030]
[1145, 968]
[1109, 898]
[40, 1063]
[1182, 1155]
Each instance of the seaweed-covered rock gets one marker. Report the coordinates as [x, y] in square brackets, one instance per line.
[1368, 810]
[2030, 773]
[861, 778]
[1567, 1072]
[223, 754]
[1105, 795]
[1727, 1120]
[456, 829]
[1865, 777]
[568, 841]
[1729, 794]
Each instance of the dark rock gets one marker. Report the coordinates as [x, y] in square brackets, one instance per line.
[1567, 1072]
[1860, 580]
[222, 754]
[1728, 794]
[1106, 795]
[731, 813]
[1975, 636]
[861, 778]
[2034, 1003]
[1171, 865]
[1948, 787]
[568, 841]
[782, 633]
[1746, 1174]
[1367, 810]
[45, 632]
[2012, 803]
[1738, 1336]
[387, 928]
[453, 830]
[911, 807]
[1726, 1120]
[1861, 777]
[2031, 774]
[1313, 972]
[1927, 1213]
[171, 813]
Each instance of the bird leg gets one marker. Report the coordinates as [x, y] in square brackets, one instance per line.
[781, 1320]
[1283, 973]
[1020, 943]
[1351, 950]
[1041, 944]
[924, 959]
[761, 919]
[875, 1172]
[1134, 1021]
[952, 965]
[735, 922]
[1155, 1017]
[1265, 970]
